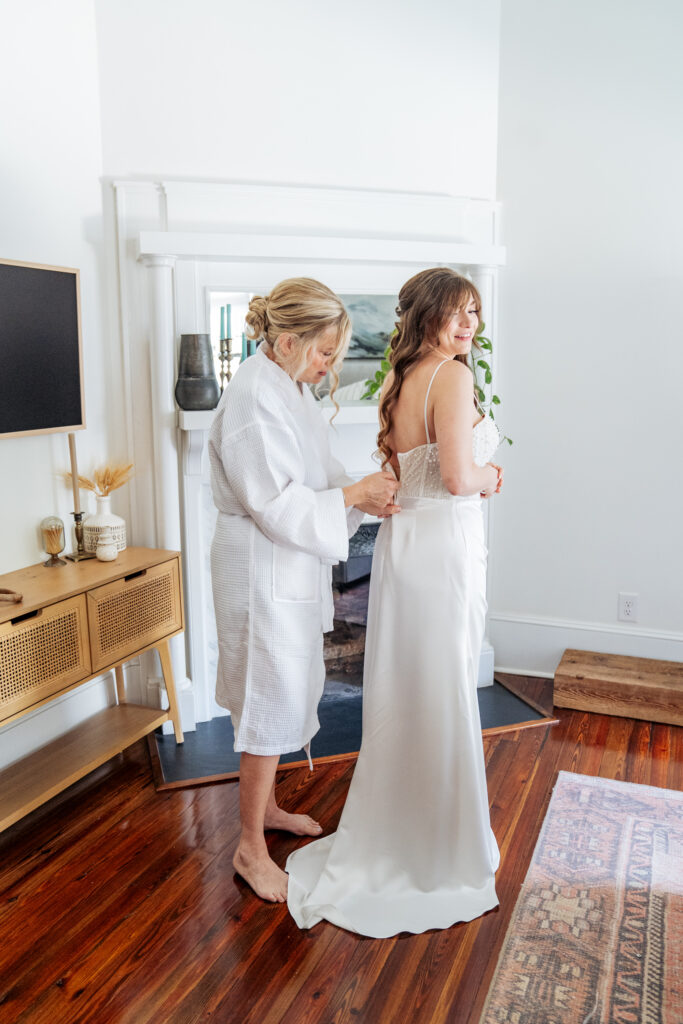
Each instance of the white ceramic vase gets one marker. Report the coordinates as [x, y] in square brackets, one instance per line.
[104, 516]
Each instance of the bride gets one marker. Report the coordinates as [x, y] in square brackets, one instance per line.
[414, 848]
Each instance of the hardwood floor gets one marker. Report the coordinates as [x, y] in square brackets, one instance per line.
[119, 905]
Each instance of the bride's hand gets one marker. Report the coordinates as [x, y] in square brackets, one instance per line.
[499, 470]
[495, 486]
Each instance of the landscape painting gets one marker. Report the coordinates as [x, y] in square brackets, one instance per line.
[373, 318]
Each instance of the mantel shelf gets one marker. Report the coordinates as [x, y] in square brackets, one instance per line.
[349, 413]
[202, 245]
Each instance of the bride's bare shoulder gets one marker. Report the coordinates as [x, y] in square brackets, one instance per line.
[453, 375]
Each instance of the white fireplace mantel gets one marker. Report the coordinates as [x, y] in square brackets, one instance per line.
[177, 243]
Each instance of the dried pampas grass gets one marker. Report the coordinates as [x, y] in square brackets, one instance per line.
[105, 479]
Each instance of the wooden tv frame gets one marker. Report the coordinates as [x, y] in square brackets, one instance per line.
[62, 427]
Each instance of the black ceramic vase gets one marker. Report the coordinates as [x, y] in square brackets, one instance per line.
[196, 387]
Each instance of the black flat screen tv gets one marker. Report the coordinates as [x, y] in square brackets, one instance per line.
[41, 360]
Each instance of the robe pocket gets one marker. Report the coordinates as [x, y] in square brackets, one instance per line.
[296, 575]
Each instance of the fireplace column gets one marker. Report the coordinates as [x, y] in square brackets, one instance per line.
[485, 279]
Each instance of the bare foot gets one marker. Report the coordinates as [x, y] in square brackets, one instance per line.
[299, 824]
[264, 876]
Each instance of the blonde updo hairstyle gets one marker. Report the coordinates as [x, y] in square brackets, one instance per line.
[303, 307]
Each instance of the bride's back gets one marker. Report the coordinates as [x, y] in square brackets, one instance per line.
[408, 420]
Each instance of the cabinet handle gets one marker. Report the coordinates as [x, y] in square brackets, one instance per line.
[27, 615]
[134, 575]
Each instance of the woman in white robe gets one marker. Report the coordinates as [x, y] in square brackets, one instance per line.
[286, 511]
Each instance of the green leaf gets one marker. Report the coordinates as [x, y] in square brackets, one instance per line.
[486, 344]
[480, 393]
[495, 399]
[484, 365]
[379, 376]
[487, 377]
[491, 414]
[385, 365]
[509, 440]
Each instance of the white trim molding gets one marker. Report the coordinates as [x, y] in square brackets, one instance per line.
[533, 645]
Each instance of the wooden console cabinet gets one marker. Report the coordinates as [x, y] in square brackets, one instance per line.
[76, 622]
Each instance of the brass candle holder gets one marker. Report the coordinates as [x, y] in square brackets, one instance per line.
[80, 553]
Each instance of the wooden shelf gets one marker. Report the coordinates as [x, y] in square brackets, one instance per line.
[74, 622]
[40, 776]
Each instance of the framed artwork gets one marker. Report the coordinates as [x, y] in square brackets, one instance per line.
[373, 318]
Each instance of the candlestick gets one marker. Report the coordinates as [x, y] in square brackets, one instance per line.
[80, 553]
[224, 357]
[74, 472]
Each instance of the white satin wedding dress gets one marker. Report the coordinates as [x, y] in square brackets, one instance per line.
[414, 848]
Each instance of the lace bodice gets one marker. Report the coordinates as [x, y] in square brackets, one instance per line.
[420, 470]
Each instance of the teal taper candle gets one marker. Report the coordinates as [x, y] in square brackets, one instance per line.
[228, 324]
[222, 322]
[245, 347]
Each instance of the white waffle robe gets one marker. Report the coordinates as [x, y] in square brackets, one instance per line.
[281, 527]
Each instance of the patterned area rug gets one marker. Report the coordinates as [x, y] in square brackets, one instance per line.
[596, 936]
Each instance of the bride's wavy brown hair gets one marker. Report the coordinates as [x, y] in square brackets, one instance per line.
[425, 304]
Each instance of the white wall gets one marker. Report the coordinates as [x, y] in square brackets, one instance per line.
[389, 94]
[590, 354]
[51, 212]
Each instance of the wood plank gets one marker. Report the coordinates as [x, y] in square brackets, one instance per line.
[50, 769]
[516, 686]
[643, 688]
[119, 903]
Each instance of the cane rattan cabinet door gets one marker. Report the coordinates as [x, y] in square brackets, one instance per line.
[133, 613]
[42, 653]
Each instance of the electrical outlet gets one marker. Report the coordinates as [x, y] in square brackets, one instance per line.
[628, 608]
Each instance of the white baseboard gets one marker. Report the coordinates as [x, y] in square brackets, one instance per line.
[506, 670]
[158, 698]
[527, 645]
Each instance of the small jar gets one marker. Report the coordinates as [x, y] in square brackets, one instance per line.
[52, 532]
[106, 550]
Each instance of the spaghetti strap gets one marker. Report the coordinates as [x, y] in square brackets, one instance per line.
[427, 395]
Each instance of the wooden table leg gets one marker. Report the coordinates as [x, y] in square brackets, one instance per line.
[169, 682]
[120, 685]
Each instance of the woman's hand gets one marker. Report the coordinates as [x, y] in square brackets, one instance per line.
[373, 494]
[495, 485]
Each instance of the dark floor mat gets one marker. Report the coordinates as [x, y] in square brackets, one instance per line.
[207, 754]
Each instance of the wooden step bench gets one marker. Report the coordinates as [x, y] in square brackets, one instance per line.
[613, 684]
